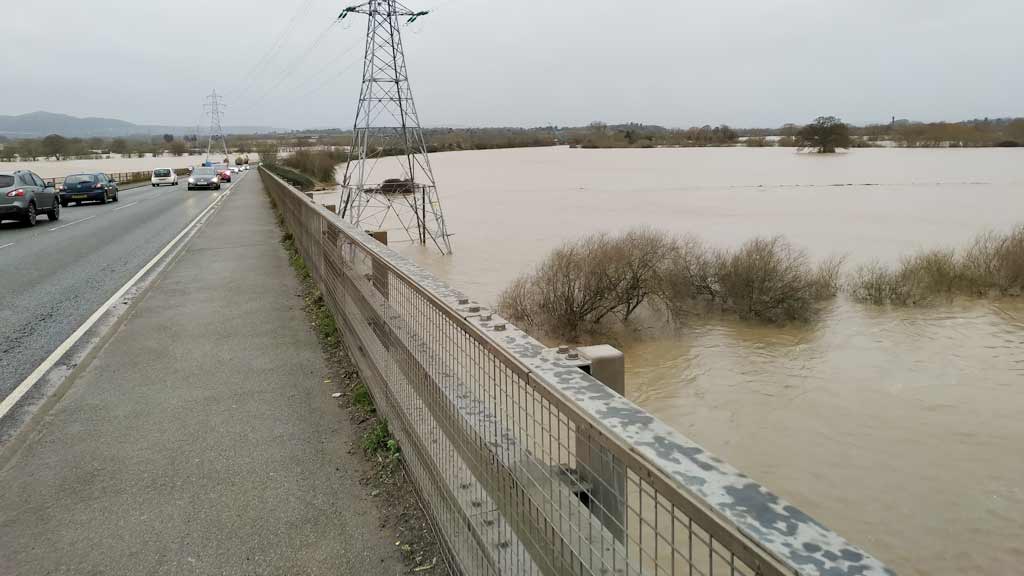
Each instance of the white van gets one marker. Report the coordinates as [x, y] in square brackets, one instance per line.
[163, 176]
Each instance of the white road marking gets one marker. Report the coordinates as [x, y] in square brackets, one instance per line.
[6, 245]
[55, 356]
[127, 205]
[72, 223]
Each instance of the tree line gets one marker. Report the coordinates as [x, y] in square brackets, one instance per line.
[825, 134]
[59, 147]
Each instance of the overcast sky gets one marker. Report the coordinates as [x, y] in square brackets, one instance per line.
[522, 62]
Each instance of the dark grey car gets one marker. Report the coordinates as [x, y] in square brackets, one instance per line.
[93, 187]
[24, 196]
[204, 177]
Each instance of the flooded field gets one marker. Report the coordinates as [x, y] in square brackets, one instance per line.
[58, 169]
[902, 429]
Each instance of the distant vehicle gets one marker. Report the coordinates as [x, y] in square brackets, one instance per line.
[204, 178]
[234, 169]
[94, 187]
[24, 195]
[245, 166]
[163, 176]
[225, 175]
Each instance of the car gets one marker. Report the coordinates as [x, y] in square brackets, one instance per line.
[88, 187]
[24, 195]
[203, 177]
[163, 176]
[234, 169]
[225, 175]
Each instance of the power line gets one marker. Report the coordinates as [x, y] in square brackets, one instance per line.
[290, 69]
[332, 78]
[275, 46]
[324, 83]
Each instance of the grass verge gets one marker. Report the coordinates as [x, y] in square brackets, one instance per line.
[389, 481]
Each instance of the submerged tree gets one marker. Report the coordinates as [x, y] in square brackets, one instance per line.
[55, 145]
[825, 134]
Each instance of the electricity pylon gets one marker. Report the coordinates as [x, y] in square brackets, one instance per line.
[388, 178]
[214, 102]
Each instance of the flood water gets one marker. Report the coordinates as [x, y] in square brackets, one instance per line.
[901, 429]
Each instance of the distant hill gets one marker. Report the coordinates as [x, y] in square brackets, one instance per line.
[38, 124]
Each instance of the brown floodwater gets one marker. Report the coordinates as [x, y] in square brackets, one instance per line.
[902, 429]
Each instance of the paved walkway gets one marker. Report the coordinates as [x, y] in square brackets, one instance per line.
[202, 439]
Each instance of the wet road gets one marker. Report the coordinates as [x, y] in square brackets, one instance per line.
[55, 275]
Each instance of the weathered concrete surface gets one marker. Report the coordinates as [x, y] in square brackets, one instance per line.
[202, 439]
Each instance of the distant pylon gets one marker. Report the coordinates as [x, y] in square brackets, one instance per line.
[388, 179]
[214, 102]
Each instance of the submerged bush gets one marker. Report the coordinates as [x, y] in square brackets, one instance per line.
[577, 285]
[770, 279]
[690, 274]
[875, 284]
[993, 263]
[581, 284]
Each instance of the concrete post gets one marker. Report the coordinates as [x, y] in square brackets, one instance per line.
[595, 464]
[380, 272]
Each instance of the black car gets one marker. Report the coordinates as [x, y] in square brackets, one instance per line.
[95, 187]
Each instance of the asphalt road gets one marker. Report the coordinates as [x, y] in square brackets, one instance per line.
[55, 275]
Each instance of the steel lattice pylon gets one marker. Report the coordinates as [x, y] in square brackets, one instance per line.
[213, 105]
[388, 179]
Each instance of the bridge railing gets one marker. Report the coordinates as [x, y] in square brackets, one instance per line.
[527, 464]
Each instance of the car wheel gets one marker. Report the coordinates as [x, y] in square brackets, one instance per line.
[30, 215]
[54, 213]
[104, 199]
[116, 197]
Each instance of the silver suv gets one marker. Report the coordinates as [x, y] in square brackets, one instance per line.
[24, 195]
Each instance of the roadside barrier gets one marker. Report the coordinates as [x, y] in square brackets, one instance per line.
[122, 177]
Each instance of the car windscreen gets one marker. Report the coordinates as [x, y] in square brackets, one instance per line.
[205, 172]
[6, 180]
[161, 173]
[79, 178]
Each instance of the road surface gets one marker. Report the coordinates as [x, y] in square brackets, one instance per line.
[55, 275]
[202, 438]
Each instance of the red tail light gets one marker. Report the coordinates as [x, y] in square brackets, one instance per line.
[16, 193]
[98, 186]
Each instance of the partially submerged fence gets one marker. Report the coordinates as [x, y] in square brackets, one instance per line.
[527, 464]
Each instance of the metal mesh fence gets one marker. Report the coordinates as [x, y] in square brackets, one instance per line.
[528, 465]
